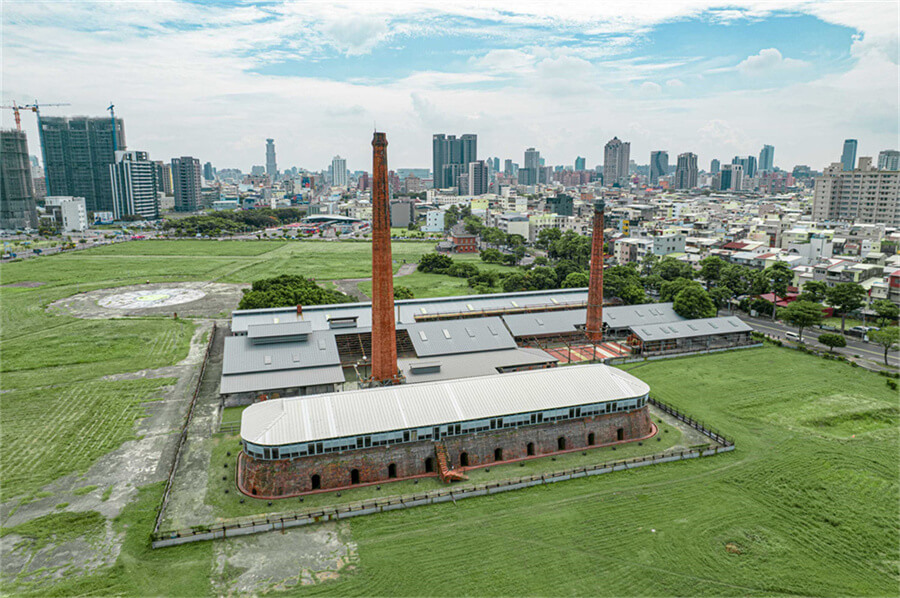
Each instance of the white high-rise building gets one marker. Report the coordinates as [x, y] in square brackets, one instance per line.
[134, 185]
[731, 177]
[271, 164]
[478, 178]
[339, 172]
[862, 196]
[616, 157]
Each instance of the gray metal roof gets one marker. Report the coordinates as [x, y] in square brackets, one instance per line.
[243, 356]
[691, 328]
[468, 365]
[564, 321]
[407, 309]
[351, 413]
[263, 381]
[295, 328]
[470, 335]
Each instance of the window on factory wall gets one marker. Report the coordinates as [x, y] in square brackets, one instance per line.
[429, 465]
[392, 470]
[464, 459]
[561, 443]
[530, 449]
[498, 454]
[591, 439]
[354, 476]
[316, 481]
[620, 434]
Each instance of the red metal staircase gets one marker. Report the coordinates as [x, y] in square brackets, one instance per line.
[447, 474]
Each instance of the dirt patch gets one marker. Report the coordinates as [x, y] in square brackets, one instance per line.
[187, 299]
[262, 563]
[28, 284]
[733, 548]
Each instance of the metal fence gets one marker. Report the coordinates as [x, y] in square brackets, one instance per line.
[280, 521]
[184, 433]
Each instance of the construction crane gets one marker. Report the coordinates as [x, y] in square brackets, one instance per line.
[15, 108]
[112, 114]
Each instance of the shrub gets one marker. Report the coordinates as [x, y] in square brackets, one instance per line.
[891, 384]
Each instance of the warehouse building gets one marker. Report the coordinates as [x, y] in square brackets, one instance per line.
[691, 335]
[299, 445]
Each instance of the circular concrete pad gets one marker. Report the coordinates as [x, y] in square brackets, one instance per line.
[188, 299]
[151, 298]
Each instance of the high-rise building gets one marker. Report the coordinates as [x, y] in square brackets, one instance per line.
[748, 164]
[446, 150]
[339, 176]
[16, 186]
[209, 173]
[271, 164]
[861, 196]
[77, 155]
[686, 171]
[134, 186]
[616, 158]
[659, 165]
[889, 160]
[532, 158]
[767, 158]
[478, 178]
[508, 167]
[731, 177]
[714, 166]
[848, 155]
[579, 163]
[186, 183]
[164, 177]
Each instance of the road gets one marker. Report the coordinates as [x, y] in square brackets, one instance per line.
[868, 351]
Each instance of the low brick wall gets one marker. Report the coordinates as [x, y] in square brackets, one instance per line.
[373, 465]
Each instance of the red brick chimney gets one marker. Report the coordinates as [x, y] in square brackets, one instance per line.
[594, 324]
[384, 332]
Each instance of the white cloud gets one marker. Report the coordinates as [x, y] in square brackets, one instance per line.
[769, 61]
[675, 84]
[651, 89]
[357, 35]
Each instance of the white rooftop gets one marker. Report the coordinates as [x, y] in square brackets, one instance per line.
[352, 413]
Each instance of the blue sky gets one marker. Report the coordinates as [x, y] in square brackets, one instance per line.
[215, 79]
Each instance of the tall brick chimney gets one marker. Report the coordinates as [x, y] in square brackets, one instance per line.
[594, 324]
[384, 332]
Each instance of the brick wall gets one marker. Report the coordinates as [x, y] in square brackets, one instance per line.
[291, 477]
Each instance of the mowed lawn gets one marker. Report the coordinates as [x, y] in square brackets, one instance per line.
[806, 505]
[52, 364]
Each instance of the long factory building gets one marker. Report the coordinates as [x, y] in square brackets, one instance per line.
[305, 444]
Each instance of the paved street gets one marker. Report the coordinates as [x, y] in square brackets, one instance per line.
[868, 351]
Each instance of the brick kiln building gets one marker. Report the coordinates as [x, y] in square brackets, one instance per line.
[304, 444]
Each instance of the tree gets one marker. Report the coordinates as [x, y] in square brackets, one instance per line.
[887, 338]
[720, 296]
[434, 262]
[886, 310]
[734, 278]
[288, 290]
[572, 246]
[625, 283]
[403, 293]
[491, 256]
[541, 261]
[473, 224]
[832, 340]
[648, 263]
[779, 276]
[693, 302]
[801, 314]
[813, 290]
[541, 278]
[451, 217]
[547, 236]
[711, 269]
[669, 288]
[846, 297]
[669, 269]
[575, 280]
[514, 282]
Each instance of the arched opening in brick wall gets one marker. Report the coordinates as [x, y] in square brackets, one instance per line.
[316, 481]
[530, 449]
[464, 459]
[392, 470]
[498, 454]
[354, 476]
[561, 443]
[620, 434]
[591, 439]
[429, 465]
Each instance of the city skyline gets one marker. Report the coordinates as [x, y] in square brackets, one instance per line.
[512, 76]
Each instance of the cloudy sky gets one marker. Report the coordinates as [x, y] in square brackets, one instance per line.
[214, 79]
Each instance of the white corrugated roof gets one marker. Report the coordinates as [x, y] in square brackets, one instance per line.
[337, 415]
